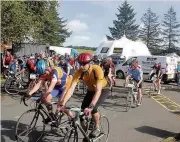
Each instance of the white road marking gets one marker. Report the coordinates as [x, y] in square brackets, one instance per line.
[16, 117]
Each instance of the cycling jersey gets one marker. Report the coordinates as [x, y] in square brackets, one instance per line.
[63, 81]
[158, 70]
[135, 74]
[56, 74]
[91, 78]
[107, 66]
[8, 59]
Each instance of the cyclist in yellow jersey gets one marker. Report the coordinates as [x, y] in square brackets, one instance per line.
[93, 77]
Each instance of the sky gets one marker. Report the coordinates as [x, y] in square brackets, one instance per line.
[89, 20]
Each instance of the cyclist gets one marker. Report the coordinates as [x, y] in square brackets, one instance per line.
[7, 59]
[93, 77]
[96, 60]
[159, 74]
[178, 74]
[59, 83]
[65, 65]
[136, 73]
[109, 69]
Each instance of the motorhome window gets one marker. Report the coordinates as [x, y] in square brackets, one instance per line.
[104, 50]
[151, 59]
[128, 62]
[118, 50]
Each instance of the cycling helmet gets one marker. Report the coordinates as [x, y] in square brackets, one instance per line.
[41, 66]
[104, 61]
[95, 57]
[20, 61]
[61, 57]
[85, 58]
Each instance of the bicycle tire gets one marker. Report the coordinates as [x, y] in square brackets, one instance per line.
[105, 136]
[19, 124]
[69, 134]
[128, 101]
[7, 89]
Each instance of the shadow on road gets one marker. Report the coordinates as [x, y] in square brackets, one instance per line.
[155, 131]
[8, 133]
[7, 130]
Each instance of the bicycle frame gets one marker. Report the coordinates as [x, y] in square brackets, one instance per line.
[76, 124]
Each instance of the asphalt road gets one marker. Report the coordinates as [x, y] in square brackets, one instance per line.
[153, 121]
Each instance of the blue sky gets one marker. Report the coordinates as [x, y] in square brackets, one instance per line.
[89, 20]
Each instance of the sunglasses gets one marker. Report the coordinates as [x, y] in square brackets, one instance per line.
[82, 64]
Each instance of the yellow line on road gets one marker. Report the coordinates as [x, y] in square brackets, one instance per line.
[162, 100]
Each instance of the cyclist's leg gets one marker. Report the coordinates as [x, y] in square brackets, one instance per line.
[102, 98]
[159, 85]
[140, 93]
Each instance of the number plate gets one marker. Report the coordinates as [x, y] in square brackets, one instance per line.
[170, 75]
[32, 76]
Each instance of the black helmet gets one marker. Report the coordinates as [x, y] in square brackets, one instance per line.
[104, 61]
[61, 57]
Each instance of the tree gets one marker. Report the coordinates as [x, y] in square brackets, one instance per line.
[125, 23]
[150, 31]
[37, 20]
[170, 30]
[15, 21]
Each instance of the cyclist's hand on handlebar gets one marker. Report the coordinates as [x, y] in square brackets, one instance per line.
[137, 85]
[60, 108]
[87, 111]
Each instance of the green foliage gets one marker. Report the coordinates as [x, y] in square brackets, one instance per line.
[170, 31]
[33, 19]
[125, 23]
[15, 21]
[150, 31]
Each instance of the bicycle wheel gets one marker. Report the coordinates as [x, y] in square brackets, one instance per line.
[71, 136]
[11, 86]
[28, 127]
[104, 127]
[129, 101]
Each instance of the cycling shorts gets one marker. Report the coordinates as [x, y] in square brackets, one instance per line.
[140, 85]
[58, 91]
[89, 96]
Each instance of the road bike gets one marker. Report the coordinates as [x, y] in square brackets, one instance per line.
[31, 124]
[14, 83]
[131, 99]
[88, 125]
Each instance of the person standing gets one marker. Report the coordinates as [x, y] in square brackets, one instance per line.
[178, 74]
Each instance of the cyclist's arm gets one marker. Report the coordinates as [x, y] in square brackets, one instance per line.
[68, 94]
[110, 70]
[70, 91]
[141, 77]
[3, 61]
[97, 93]
[36, 87]
[127, 78]
[51, 87]
[99, 85]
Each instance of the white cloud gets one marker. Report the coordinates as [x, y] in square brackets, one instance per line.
[77, 40]
[77, 26]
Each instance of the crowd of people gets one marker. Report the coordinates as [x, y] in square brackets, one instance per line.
[63, 73]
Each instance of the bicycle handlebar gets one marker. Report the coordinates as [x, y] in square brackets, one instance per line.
[24, 100]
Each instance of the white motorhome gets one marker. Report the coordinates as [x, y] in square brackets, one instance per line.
[124, 47]
[168, 66]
